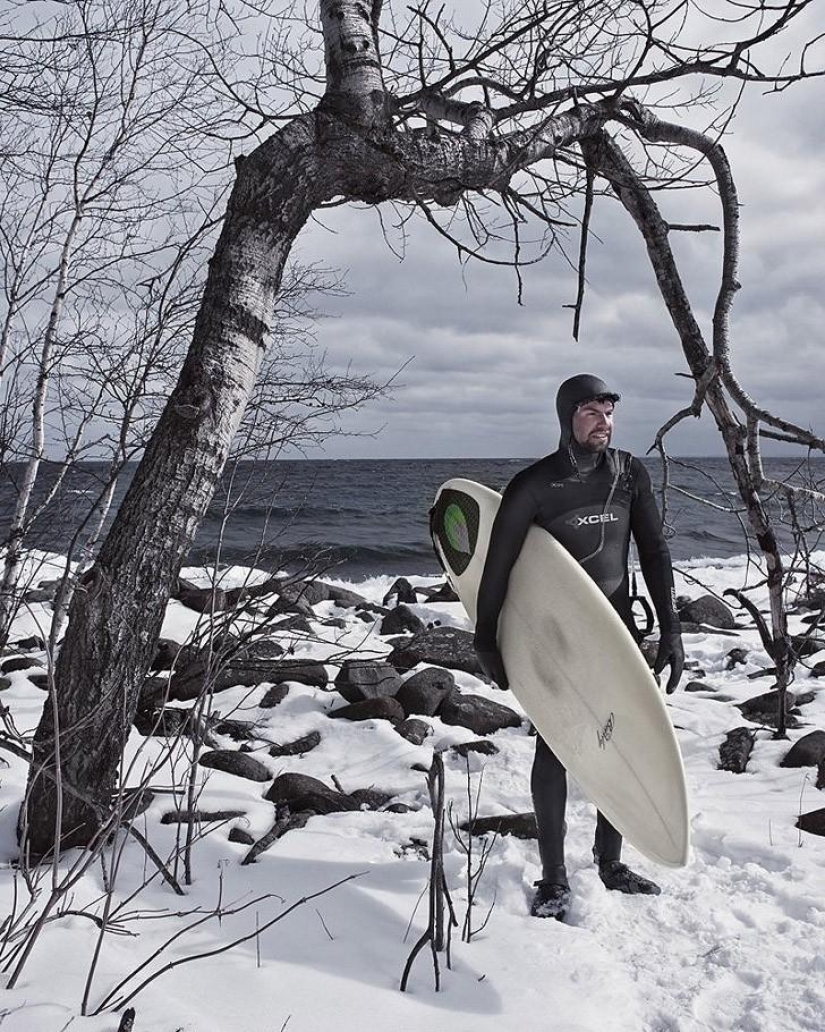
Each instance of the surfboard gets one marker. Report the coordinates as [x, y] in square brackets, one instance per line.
[578, 673]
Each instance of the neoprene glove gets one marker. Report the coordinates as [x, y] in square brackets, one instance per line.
[493, 665]
[670, 652]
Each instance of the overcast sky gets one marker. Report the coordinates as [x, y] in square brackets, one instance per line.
[482, 371]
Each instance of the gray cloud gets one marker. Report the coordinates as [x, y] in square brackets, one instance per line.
[483, 370]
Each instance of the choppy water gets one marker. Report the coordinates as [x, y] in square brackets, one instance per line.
[370, 516]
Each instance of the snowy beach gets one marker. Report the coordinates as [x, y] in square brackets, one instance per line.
[736, 941]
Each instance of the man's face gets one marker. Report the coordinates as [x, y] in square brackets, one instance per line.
[593, 425]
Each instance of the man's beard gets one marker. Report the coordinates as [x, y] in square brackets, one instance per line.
[596, 444]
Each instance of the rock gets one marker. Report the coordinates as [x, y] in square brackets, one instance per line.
[401, 591]
[485, 747]
[735, 751]
[162, 723]
[238, 730]
[345, 598]
[238, 834]
[818, 669]
[415, 731]
[820, 775]
[808, 751]
[401, 619]
[40, 681]
[424, 692]
[10, 666]
[274, 696]
[291, 603]
[296, 624]
[443, 593]
[805, 645]
[736, 657]
[709, 611]
[166, 654]
[240, 764]
[301, 792]
[764, 709]
[360, 679]
[309, 592]
[480, 715]
[203, 600]
[698, 686]
[335, 621]
[247, 664]
[447, 647]
[33, 644]
[39, 594]
[382, 708]
[200, 816]
[519, 825]
[5, 683]
[812, 822]
[311, 672]
[370, 798]
[297, 747]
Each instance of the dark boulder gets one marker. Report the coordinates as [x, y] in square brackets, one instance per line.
[295, 624]
[415, 731]
[519, 825]
[764, 709]
[818, 669]
[211, 599]
[370, 798]
[297, 747]
[443, 593]
[812, 822]
[401, 591]
[806, 645]
[360, 679]
[484, 746]
[200, 816]
[345, 598]
[274, 696]
[382, 708]
[447, 647]
[242, 765]
[10, 666]
[166, 654]
[5, 684]
[301, 793]
[401, 619]
[479, 715]
[32, 644]
[309, 672]
[735, 751]
[736, 657]
[241, 835]
[163, 723]
[698, 686]
[808, 751]
[709, 611]
[239, 664]
[424, 692]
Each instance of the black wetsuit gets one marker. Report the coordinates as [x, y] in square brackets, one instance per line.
[592, 512]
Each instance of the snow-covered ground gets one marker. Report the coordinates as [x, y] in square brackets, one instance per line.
[736, 940]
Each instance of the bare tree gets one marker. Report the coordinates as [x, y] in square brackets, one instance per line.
[503, 125]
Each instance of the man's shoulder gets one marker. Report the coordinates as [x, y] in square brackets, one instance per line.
[536, 473]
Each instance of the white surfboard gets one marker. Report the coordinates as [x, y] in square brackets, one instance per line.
[578, 673]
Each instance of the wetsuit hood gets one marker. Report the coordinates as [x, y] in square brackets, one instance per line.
[572, 393]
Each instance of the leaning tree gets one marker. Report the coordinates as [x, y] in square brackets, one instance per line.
[540, 102]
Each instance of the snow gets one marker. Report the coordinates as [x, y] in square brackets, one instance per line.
[736, 940]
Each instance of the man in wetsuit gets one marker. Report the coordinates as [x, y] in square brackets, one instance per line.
[591, 498]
